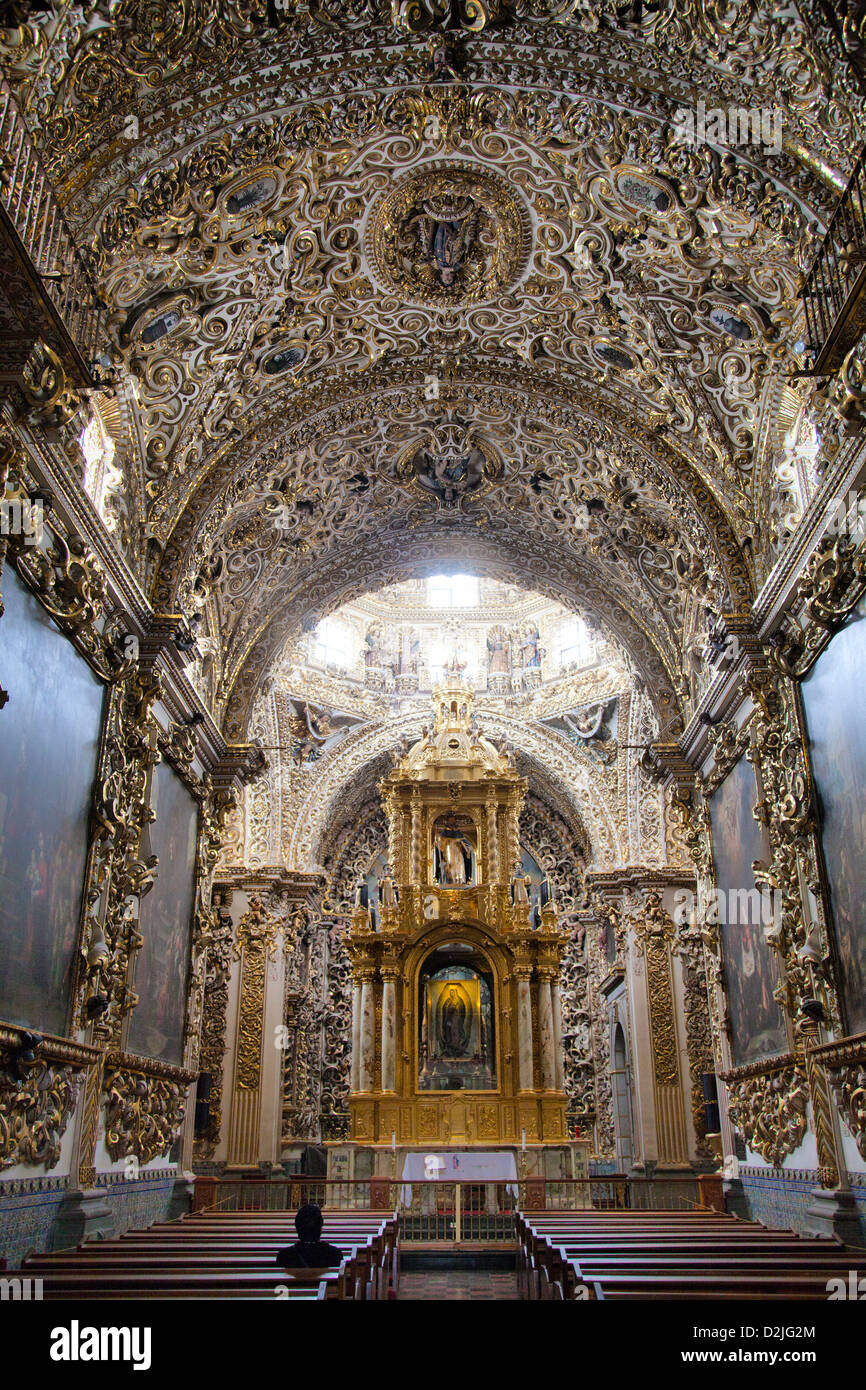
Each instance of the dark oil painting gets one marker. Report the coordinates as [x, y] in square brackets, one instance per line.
[162, 963]
[833, 699]
[49, 743]
[757, 1026]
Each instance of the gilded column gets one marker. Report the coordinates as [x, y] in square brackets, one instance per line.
[389, 1032]
[394, 846]
[492, 843]
[415, 864]
[546, 1034]
[356, 1035]
[512, 839]
[559, 1066]
[524, 1030]
[368, 1038]
[653, 936]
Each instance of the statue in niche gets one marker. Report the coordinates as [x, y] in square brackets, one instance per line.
[453, 1023]
[373, 645]
[410, 652]
[498, 652]
[387, 893]
[520, 885]
[530, 650]
[380, 653]
[453, 854]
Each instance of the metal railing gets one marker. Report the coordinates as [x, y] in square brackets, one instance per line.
[451, 1211]
[836, 281]
[31, 206]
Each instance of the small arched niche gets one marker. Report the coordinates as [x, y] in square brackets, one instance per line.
[456, 1020]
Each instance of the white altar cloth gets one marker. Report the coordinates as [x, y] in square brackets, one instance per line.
[474, 1166]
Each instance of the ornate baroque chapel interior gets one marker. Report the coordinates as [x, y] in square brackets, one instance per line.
[433, 569]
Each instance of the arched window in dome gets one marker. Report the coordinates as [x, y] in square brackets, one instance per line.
[333, 645]
[796, 472]
[575, 646]
[452, 591]
[101, 477]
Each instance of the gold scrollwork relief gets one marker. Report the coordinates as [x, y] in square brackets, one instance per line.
[145, 1104]
[215, 992]
[255, 945]
[844, 1065]
[769, 1108]
[828, 591]
[39, 1081]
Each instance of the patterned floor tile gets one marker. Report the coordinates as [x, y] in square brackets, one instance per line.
[450, 1286]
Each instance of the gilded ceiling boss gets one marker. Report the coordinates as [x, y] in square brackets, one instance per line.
[432, 559]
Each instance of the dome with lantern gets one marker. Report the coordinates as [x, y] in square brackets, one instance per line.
[454, 749]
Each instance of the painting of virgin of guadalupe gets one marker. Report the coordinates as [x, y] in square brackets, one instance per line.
[162, 964]
[833, 703]
[757, 1026]
[49, 744]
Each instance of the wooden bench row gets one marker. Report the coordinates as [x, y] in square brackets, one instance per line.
[672, 1255]
[230, 1255]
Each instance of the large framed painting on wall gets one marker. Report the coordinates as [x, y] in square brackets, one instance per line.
[833, 698]
[757, 1026]
[49, 745]
[162, 963]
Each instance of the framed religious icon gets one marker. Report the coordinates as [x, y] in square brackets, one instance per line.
[833, 705]
[456, 1051]
[49, 745]
[757, 1026]
[161, 969]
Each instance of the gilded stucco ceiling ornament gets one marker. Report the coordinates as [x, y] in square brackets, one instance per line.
[50, 399]
[449, 236]
[451, 464]
[828, 591]
[64, 574]
[426, 16]
[578, 781]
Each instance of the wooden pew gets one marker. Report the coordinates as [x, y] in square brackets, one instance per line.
[672, 1255]
[224, 1256]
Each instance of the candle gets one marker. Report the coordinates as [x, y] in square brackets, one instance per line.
[523, 1140]
[393, 1139]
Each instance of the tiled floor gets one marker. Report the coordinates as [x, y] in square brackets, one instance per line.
[449, 1285]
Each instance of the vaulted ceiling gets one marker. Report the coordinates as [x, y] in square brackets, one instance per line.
[270, 196]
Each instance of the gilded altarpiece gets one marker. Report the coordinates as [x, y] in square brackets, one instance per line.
[457, 1022]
